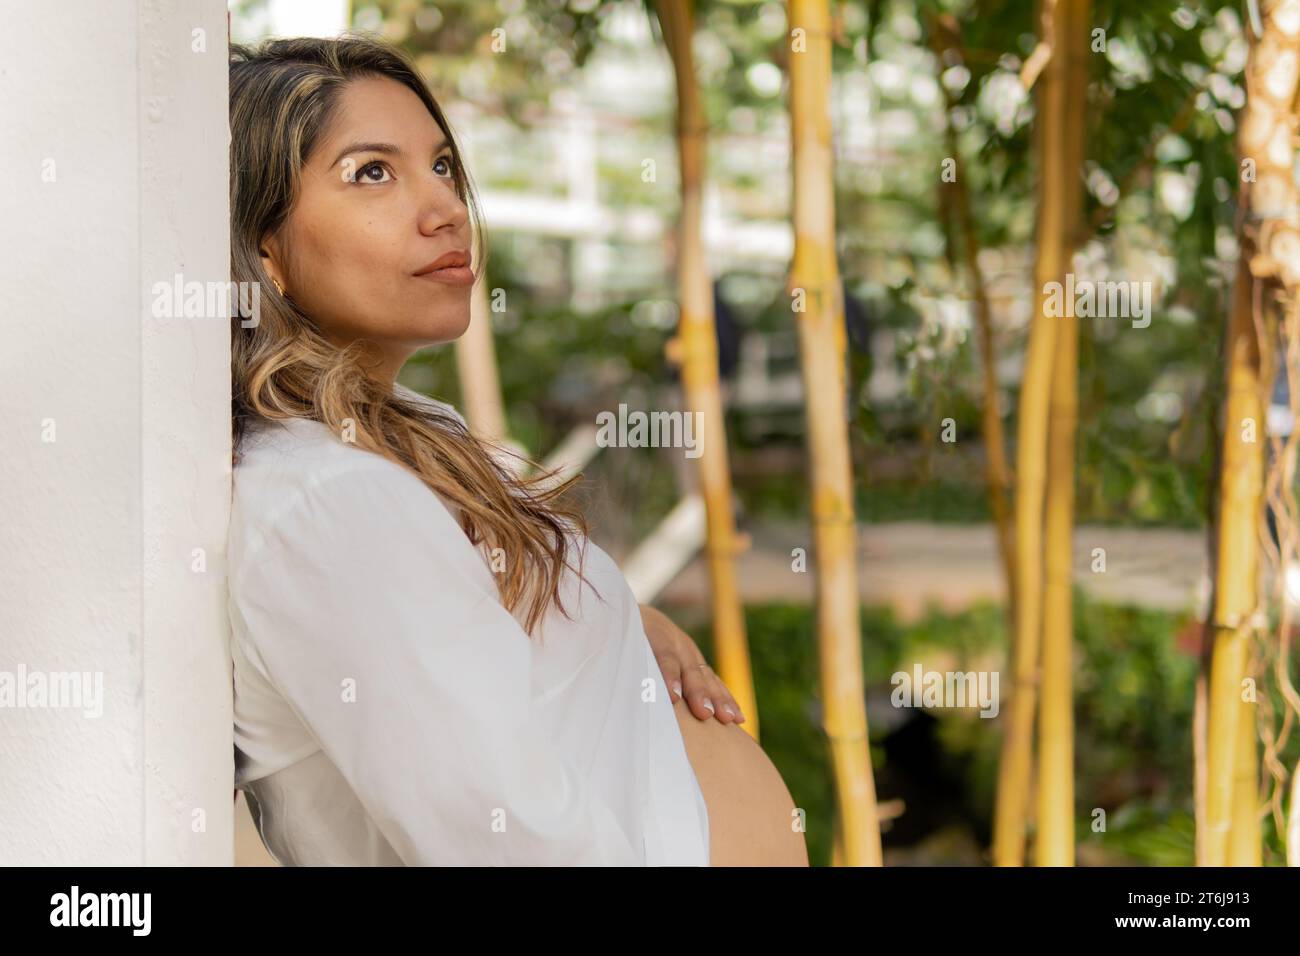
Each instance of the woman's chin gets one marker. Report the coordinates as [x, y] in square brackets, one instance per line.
[457, 328]
[440, 333]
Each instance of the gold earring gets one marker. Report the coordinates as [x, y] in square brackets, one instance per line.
[278, 288]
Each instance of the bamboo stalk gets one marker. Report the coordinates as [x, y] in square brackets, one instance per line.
[1267, 233]
[944, 34]
[1241, 484]
[1244, 838]
[1293, 820]
[1200, 769]
[1054, 843]
[1014, 770]
[476, 367]
[698, 349]
[822, 351]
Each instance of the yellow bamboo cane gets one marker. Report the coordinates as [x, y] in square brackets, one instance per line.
[1244, 838]
[1015, 766]
[944, 33]
[476, 367]
[1241, 483]
[814, 285]
[1054, 842]
[698, 351]
[1267, 235]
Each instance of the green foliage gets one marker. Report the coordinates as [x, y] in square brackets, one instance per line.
[486, 51]
[1159, 182]
[1133, 695]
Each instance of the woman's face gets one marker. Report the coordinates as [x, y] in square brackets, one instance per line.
[377, 208]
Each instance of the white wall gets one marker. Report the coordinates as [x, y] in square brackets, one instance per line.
[114, 432]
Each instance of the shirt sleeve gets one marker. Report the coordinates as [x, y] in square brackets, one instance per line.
[378, 620]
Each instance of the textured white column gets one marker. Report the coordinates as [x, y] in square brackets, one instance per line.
[114, 435]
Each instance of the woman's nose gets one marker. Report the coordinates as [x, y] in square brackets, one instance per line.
[440, 207]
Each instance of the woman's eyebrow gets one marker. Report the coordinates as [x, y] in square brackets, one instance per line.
[387, 148]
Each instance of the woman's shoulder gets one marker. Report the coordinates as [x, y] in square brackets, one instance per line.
[280, 457]
[279, 460]
[301, 468]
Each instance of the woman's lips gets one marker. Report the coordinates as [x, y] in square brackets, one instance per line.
[452, 267]
[452, 275]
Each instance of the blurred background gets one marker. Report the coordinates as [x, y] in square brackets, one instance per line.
[557, 130]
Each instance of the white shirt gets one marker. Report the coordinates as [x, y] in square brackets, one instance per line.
[389, 710]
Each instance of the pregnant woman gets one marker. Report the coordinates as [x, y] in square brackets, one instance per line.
[433, 665]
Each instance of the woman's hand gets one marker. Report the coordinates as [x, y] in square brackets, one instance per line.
[685, 671]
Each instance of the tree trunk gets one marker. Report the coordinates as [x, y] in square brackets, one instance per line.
[814, 278]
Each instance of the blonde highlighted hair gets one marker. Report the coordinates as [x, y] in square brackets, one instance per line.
[283, 95]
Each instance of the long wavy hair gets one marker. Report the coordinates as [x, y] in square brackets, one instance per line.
[283, 95]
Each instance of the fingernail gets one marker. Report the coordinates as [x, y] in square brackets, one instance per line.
[677, 687]
[709, 704]
[730, 711]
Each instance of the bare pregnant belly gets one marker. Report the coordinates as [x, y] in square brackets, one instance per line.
[751, 813]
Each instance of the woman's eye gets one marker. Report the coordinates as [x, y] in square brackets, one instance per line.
[446, 162]
[364, 173]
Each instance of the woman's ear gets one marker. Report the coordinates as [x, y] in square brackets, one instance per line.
[271, 263]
